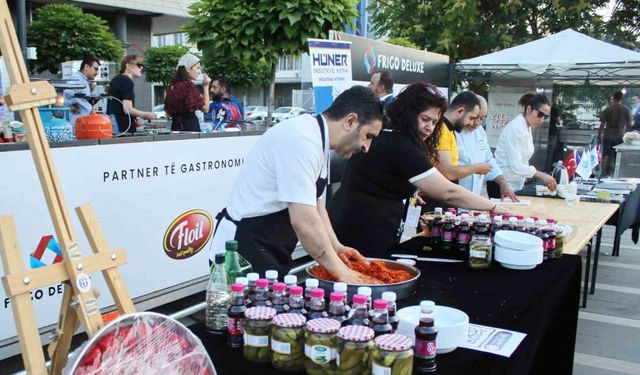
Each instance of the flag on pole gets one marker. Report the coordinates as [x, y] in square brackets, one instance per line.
[584, 165]
[571, 164]
[595, 156]
[47, 253]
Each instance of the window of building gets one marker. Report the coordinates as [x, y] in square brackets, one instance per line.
[289, 62]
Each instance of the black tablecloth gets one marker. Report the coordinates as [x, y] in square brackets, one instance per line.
[543, 303]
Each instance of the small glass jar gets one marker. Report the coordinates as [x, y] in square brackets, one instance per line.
[354, 347]
[392, 355]
[287, 342]
[257, 327]
[480, 252]
[320, 346]
[559, 241]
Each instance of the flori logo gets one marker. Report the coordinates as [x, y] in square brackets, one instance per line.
[188, 234]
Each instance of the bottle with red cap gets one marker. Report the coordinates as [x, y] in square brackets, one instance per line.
[278, 299]
[380, 322]
[296, 300]
[235, 313]
[262, 293]
[316, 305]
[337, 309]
[359, 314]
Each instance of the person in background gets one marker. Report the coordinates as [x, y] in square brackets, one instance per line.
[554, 151]
[89, 69]
[613, 123]
[183, 97]
[473, 148]
[635, 112]
[515, 145]
[2, 107]
[462, 111]
[224, 110]
[382, 84]
[122, 111]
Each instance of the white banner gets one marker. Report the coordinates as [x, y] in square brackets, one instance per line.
[503, 107]
[154, 199]
[330, 70]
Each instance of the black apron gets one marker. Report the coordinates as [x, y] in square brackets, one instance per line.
[268, 241]
[186, 122]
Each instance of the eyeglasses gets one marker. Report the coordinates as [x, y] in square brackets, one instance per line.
[541, 114]
[141, 66]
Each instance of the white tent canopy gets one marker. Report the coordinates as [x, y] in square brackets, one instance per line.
[567, 58]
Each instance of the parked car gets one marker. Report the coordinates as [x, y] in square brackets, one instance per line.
[284, 113]
[255, 113]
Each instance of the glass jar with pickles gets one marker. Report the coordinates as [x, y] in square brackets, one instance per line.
[480, 251]
[287, 342]
[353, 350]
[392, 355]
[257, 327]
[320, 346]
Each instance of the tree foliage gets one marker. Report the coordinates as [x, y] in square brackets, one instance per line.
[160, 62]
[469, 28]
[63, 32]
[240, 74]
[403, 42]
[624, 26]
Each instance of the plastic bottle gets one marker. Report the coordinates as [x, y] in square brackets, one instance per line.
[316, 305]
[529, 225]
[436, 226]
[551, 243]
[272, 277]
[366, 291]
[520, 224]
[310, 284]
[337, 309]
[427, 309]
[278, 300]
[359, 316]
[380, 322]
[252, 277]
[290, 280]
[217, 298]
[424, 359]
[231, 261]
[245, 284]
[390, 297]
[341, 287]
[235, 330]
[262, 293]
[448, 229]
[296, 301]
[544, 236]
[513, 223]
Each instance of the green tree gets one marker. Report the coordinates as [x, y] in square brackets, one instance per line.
[624, 26]
[160, 62]
[239, 73]
[403, 42]
[251, 31]
[62, 32]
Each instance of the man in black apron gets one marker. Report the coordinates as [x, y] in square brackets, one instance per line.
[276, 199]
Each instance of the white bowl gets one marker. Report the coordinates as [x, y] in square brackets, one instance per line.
[517, 240]
[515, 257]
[452, 326]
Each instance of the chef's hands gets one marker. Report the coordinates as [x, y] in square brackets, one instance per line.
[354, 277]
[506, 192]
[349, 254]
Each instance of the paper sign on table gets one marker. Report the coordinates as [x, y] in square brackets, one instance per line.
[492, 340]
[500, 202]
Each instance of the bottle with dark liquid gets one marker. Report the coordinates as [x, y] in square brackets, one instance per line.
[544, 236]
[245, 283]
[278, 300]
[380, 323]
[262, 293]
[296, 301]
[424, 359]
[390, 297]
[551, 243]
[272, 278]
[448, 230]
[316, 305]
[436, 226]
[359, 316]
[337, 309]
[235, 330]
[251, 288]
[464, 234]
[309, 284]
[341, 287]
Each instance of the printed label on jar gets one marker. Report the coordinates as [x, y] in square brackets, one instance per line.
[478, 254]
[447, 236]
[425, 349]
[235, 326]
[464, 238]
[376, 369]
[256, 341]
[280, 347]
[320, 354]
[337, 358]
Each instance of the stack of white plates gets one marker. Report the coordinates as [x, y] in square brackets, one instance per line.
[517, 250]
[452, 325]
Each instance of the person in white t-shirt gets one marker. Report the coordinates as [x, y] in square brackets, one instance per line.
[276, 199]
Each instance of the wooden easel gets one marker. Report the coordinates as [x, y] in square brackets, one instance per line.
[79, 301]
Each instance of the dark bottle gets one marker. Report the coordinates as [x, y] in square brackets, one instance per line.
[551, 243]
[232, 261]
[480, 227]
[341, 287]
[262, 293]
[513, 223]
[245, 283]
[424, 359]
[316, 305]
[390, 297]
[251, 288]
[543, 234]
[337, 309]
[380, 323]
[464, 235]
[310, 284]
[436, 226]
[278, 300]
[448, 230]
[290, 281]
[272, 278]
[366, 291]
[359, 315]
[235, 329]
[296, 301]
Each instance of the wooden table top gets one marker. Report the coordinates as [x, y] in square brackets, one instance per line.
[588, 217]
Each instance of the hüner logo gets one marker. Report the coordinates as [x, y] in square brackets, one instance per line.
[329, 59]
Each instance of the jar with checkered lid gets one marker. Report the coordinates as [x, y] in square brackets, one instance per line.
[287, 342]
[392, 355]
[257, 327]
[353, 350]
[320, 346]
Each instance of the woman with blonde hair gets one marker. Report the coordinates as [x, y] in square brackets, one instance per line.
[121, 87]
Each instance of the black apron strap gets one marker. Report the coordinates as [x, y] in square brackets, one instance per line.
[321, 183]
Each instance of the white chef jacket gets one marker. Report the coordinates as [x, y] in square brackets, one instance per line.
[473, 148]
[513, 152]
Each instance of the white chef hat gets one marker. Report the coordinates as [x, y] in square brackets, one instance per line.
[188, 60]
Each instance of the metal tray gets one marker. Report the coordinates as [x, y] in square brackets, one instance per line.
[402, 289]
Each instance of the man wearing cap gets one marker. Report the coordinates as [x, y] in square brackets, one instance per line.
[183, 97]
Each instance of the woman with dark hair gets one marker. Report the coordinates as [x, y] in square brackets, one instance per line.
[183, 98]
[367, 209]
[515, 145]
[122, 111]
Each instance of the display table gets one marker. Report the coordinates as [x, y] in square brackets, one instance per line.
[543, 303]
